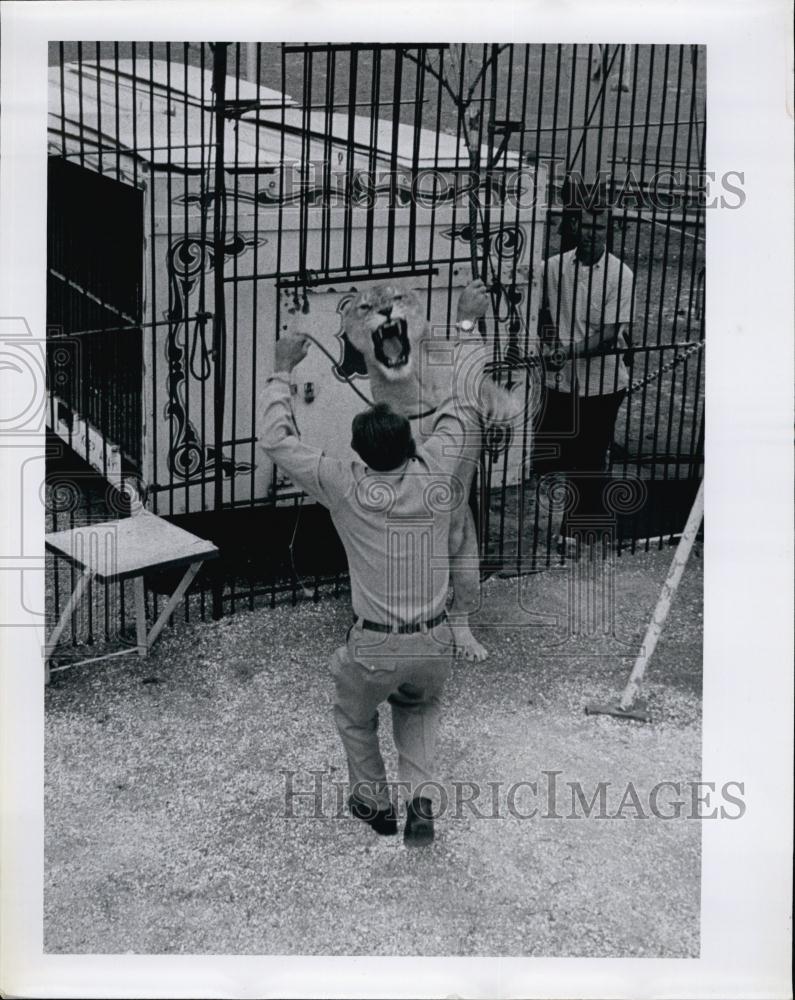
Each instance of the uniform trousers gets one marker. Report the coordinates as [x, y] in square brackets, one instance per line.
[407, 671]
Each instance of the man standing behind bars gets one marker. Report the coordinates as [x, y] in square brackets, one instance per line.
[392, 512]
[585, 328]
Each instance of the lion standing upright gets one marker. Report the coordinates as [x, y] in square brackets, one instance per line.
[414, 374]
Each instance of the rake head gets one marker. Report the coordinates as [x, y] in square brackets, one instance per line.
[637, 711]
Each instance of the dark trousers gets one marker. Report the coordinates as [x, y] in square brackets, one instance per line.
[572, 435]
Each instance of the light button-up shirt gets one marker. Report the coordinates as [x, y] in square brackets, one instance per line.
[582, 300]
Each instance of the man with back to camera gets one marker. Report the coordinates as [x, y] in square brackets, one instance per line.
[392, 512]
[585, 326]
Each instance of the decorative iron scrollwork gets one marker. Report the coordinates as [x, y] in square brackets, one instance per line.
[187, 260]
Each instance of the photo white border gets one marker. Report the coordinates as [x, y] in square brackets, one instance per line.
[748, 559]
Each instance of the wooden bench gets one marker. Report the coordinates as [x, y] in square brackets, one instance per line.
[123, 550]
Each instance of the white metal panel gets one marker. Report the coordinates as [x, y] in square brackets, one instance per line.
[164, 112]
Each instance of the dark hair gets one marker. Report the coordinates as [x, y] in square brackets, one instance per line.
[382, 438]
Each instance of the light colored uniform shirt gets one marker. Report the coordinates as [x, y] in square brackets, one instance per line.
[394, 525]
[581, 300]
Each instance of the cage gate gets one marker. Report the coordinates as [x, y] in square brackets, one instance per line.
[203, 195]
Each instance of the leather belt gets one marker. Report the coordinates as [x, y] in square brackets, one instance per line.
[401, 629]
[426, 413]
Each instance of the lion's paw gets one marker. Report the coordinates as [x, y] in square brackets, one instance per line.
[505, 407]
[466, 645]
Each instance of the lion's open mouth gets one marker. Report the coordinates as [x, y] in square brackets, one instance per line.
[391, 344]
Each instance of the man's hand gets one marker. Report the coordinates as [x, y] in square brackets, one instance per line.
[291, 349]
[473, 301]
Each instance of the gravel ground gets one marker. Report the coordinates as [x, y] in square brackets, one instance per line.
[165, 802]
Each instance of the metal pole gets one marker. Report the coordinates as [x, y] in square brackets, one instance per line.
[669, 589]
[219, 306]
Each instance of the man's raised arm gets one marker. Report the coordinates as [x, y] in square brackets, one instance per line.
[323, 478]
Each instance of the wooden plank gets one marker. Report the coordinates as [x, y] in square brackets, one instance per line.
[140, 616]
[131, 546]
[173, 601]
[72, 603]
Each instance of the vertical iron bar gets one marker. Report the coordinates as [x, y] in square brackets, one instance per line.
[105, 292]
[437, 138]
[678, 287]
[219, 302]
[456, 175]
[235, 296]
[475, 218]
[547, 235]
[347, 232]
[600, 100]
[80, 115]
[305, 166]
[617, 356]
[187, 286]
[62, 75]
[638, 224]
[699, 222]
[661, 354]
[326, 184]
[419, 86]
[206, 199]
[254, 312]
[279, 249]
[204, 202]
[169, 241]
[528, 430]
[397, 85]
[138, 303]
[500, 349]
[153, 192]
[105, 295]
[526, 333]
[117, 108]
[57, 238]
[696, 449]
[100, 141]
[651, 231]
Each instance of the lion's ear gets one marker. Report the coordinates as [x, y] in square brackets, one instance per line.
[345, 303]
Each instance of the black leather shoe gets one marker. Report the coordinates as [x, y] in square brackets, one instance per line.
[419, 823]
[383, 821]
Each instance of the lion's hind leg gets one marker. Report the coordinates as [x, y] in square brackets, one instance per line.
[465, 576]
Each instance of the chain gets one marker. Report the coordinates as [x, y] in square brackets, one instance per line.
[667, 367]
[531, 362]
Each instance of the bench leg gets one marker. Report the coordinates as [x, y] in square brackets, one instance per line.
[55, 635]
[140, 616]
[174, 600]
